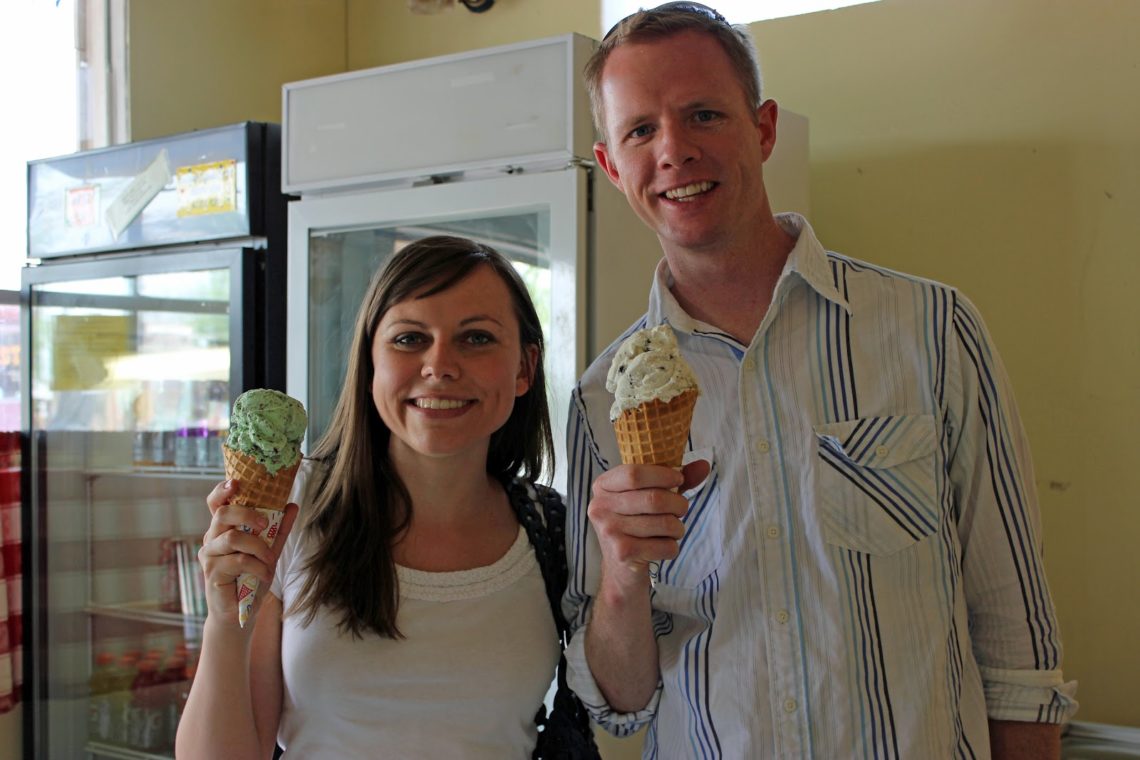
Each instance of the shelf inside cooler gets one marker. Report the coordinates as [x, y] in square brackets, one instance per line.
[146, 612]
[101, 749]
[157, 471]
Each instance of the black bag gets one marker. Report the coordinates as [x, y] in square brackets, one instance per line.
[565, 733]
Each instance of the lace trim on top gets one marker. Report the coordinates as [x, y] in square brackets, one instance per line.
[469, 584]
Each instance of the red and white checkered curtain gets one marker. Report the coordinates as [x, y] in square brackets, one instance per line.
[11, 609]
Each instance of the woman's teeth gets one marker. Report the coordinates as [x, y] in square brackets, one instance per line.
[440, 403]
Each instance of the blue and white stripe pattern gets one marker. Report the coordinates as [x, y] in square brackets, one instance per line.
[861, 575]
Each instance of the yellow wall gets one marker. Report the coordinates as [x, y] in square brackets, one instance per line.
[992, 145]
[209, 63]
[384, 31]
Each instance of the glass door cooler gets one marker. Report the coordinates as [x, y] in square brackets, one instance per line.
[135, 356]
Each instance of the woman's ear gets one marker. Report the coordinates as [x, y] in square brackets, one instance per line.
[527, 366]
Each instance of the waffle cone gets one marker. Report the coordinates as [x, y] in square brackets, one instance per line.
[656, 432]
[259, 488]
[266, 492]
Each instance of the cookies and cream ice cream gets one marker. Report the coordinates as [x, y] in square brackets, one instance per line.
[648, 366]
[655, 391]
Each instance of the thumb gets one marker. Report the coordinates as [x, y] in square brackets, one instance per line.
[695, 473]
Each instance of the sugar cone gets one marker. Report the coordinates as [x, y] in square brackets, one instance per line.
[656, 432]
[259, 488]
[266, 492]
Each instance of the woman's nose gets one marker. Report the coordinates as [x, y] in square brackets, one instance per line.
[440, 361]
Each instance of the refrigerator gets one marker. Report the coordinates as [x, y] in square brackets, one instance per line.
[153, 295]
[494, 144]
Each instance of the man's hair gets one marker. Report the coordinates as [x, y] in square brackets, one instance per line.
[665, 21]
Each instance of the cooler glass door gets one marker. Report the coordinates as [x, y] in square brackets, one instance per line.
[134, 361]
[337, 244]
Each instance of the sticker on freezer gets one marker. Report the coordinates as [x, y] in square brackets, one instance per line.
[81, 206]
[207, 188]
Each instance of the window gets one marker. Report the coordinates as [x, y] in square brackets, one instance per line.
[37, 58]
[736, 11]
[62, 67]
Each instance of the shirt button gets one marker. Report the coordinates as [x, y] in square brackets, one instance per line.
[749, 365]
[782, 617]
[882, 451]
[772, 531]
[763, 447]
[789, 705]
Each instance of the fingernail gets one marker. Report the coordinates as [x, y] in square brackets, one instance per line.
[228, 485]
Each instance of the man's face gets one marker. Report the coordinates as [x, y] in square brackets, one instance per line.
[683, 144]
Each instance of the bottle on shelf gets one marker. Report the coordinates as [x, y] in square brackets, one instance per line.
[145, 723]
[185, 449]
[171, 678]
[99, 706]
[162, 448]
[217, 437]
[120, 698]
[143, 448]
[169, 597]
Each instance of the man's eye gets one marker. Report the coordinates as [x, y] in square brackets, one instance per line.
[642, 131]
[705, 115]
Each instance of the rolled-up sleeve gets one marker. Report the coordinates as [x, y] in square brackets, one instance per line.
[1013, 623]
[583, 558]
[582, 681]
[1034, 696]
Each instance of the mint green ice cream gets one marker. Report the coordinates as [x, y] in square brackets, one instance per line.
[268, 425]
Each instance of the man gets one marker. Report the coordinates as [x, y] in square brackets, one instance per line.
[852, 567]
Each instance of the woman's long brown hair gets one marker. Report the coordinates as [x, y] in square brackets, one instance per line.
[360, 507]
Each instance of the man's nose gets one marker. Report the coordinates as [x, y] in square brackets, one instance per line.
[677, 146]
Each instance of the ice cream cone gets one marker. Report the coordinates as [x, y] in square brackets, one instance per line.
[259, 488]
[266, 492]
[656, 432]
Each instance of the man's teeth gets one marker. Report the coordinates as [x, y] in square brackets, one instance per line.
[440, 403]
[681, 193]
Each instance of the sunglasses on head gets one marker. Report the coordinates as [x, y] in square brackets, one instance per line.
[681, 7]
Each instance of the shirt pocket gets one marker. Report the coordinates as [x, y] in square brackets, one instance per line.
[877, 482]
[702, 547]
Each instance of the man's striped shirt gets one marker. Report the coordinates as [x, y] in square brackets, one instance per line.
[861, 572]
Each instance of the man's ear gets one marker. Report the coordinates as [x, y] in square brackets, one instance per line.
[766, 116]
[527, 366]
[602, 154]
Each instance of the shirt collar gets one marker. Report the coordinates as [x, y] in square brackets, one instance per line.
[807, 262]
[808, 259]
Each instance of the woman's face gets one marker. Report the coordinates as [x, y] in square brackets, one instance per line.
[449, 367]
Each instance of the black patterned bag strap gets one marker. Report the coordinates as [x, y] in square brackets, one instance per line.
[565, 733]
[543, 516]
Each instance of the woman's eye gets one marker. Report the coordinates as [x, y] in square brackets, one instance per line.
[408, 340]
[479, 338]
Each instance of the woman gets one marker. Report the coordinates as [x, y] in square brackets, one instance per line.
[408, 615]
